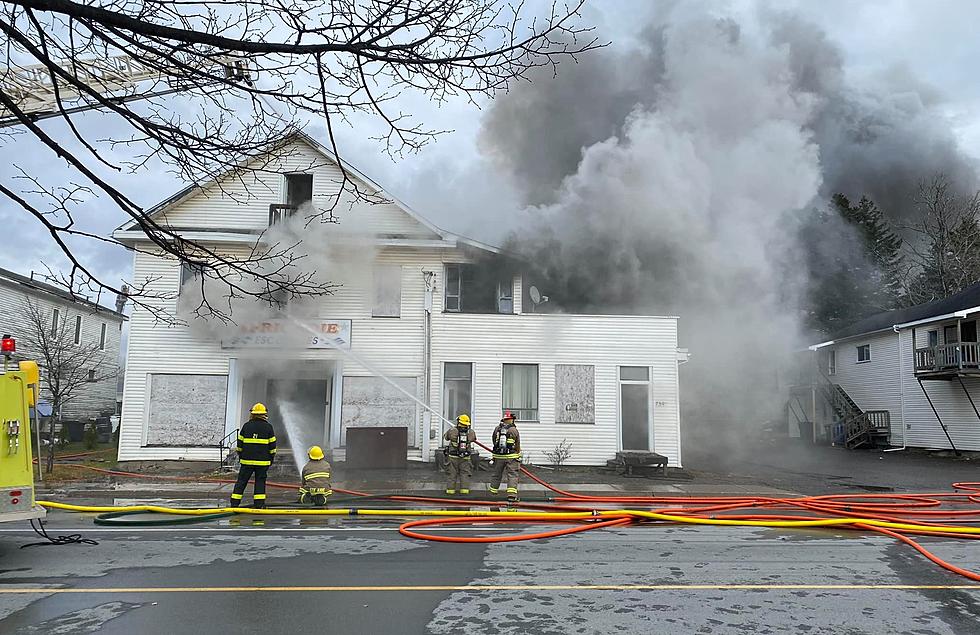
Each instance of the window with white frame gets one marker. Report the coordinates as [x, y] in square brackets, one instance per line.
[520, 391]
[78, 329]
[102, 336]
[457, 389]
[864, 353]
[472, 288]
[387, 291]
[832, 362]
[189, 289]
[55, 319]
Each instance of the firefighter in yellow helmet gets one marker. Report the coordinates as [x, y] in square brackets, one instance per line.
[316, 479]
[459, 465]
[506, 456]
[256, 451]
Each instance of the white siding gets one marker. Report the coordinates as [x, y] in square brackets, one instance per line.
[961, 421]
[395, 346]
[607, 342]
[93, 399]
[885, 383]
[873, 385]
[241, 201]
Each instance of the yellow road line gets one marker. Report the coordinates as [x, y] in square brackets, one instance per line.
[496, 587]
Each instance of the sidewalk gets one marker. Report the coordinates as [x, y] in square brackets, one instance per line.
[416, 479]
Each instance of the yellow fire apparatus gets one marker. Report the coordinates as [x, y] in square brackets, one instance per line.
[19, 385]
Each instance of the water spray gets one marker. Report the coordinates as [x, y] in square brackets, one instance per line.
[371, 367]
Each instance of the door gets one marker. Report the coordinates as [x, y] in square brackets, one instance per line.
[634, 408]
[300, 412]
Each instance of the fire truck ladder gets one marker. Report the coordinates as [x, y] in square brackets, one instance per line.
[115, 77]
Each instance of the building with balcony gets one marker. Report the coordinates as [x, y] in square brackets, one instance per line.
[425, 325]
[908, 377]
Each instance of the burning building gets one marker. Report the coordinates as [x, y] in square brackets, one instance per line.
[424, 325]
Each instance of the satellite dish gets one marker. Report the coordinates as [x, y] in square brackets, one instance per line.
[536, 297]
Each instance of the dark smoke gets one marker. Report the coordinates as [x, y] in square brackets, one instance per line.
[875, 140]
[673, 178]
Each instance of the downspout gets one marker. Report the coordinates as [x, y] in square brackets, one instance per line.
[901, 387]
[429, 278]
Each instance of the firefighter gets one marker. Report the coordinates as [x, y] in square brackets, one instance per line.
[256, 451]
[506, 456]
[459, 466]
[316, 479]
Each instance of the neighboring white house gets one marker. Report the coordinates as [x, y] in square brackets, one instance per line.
[912, 374]
[418, 314]
[90, 324]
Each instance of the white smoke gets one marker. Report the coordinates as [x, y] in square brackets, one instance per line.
[691, 210]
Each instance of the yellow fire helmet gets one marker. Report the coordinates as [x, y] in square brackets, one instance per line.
[258, 410]
[315, 453]
[463, 420]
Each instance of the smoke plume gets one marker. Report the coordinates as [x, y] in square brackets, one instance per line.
[673, 179]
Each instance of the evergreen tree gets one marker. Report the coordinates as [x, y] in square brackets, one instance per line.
[882, 248]
[855, 262]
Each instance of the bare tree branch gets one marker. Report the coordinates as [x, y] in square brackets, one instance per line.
[223, 86]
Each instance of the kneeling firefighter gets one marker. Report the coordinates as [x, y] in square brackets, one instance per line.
[506, 456]
[316, 479]
[256, 451]
[459, 465]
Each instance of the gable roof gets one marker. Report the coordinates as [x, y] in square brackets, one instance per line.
[49, 289]
[178, 197]
[966, 300]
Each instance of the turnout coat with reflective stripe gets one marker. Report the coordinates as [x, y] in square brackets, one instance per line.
[256, 443]
[506, 442]
[316, 475]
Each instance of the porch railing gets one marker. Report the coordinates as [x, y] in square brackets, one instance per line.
[947, 357]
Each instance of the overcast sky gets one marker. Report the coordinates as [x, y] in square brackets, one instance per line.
[933, 43]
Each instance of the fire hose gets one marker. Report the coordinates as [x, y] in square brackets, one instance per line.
[898, 516]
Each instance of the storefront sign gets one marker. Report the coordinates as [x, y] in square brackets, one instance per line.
[278, 333]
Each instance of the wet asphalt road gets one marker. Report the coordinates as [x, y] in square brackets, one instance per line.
[688, 573]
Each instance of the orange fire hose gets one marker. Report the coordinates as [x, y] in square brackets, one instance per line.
[929, 514]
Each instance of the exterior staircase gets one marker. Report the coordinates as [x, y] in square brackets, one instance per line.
[860, 428]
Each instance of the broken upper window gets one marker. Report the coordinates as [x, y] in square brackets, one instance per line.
[299, 193]
[477, 289]
[189, 291]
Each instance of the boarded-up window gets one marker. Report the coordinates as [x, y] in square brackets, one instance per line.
[574, 393]
[373, 402]
[186, 410]
[387, 291]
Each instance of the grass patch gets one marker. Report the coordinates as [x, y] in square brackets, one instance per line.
[104, 456]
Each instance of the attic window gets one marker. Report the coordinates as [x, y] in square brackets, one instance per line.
[299, 189]
[299, 193]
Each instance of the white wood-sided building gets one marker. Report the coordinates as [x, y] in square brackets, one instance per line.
[911, 377]
[418, 321]
[73, 321]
